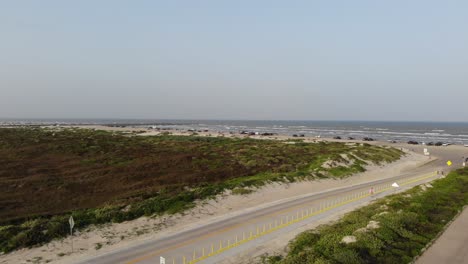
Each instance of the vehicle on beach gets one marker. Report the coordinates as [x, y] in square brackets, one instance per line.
[466, 145]
[446, 144]
[337, 137]
[430, 144]
[368, 139]
[438, 144]
[351, 138]
[412, 142]
[392, 141]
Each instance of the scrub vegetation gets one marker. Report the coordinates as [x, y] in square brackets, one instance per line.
[392, 230]
[48, 174]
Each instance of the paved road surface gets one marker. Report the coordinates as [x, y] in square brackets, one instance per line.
[202, 240]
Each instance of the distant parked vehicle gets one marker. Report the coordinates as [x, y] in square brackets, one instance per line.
[446, 144]
[430, 144]
[368, 139]
[337, 137]
[466, 145]
[301, 135]
[412, 142]
[295, 135]
[392, 141]
[438, 144]
[351, 138]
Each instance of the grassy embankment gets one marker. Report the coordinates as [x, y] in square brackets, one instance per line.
[403, 225]
[46, 175]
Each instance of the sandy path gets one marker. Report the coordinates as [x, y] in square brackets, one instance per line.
[97, 240]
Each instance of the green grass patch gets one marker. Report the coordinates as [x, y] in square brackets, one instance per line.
[242, 191]
[407, 223]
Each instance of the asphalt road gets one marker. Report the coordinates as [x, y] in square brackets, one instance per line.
[223, 239]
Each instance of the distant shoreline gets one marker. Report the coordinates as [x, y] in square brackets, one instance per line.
[452, 133]
[157, 130]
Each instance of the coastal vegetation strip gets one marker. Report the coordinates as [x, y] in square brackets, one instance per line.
[394, 229]
[46, 175]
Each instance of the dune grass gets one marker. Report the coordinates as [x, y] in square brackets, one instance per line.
[407, 223]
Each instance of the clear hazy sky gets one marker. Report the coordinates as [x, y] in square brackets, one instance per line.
[312, 60]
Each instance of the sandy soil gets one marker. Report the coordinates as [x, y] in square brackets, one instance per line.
[98, 240]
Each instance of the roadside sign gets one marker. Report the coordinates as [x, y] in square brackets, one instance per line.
[71, 222]
[449, 163]
[162, 260]
[395, 185]
[425, 150]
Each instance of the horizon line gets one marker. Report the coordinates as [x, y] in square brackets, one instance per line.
[229, 119]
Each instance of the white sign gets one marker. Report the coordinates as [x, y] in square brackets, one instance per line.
[71, 222]
[425, 150]
[395, 185]
[162, 260]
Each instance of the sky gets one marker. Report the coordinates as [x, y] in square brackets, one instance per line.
[274, 60]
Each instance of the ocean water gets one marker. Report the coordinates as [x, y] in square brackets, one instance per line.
[454, 133]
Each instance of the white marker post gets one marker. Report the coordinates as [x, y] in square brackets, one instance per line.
[162, 260]
[426, 153]
[396, 186]
[72, 224]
